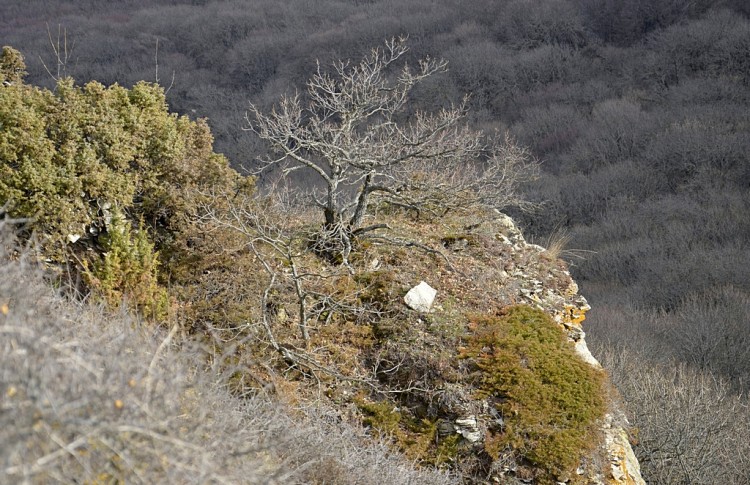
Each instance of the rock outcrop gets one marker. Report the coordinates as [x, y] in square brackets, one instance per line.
[485, 371]
[554, 291]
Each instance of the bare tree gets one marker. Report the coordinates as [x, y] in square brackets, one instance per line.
[280, 251]
[351, 130]
[62, 53]
[690, 426]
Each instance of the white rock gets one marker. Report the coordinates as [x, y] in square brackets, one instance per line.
[625, 469]
[420, 297]
[467, 427]
[504, 221]
[72, 238]
[583, 352]
[502, 238]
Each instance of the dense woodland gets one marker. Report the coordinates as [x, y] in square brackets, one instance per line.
[638, 110]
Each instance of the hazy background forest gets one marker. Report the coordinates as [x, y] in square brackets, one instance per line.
[638, 109]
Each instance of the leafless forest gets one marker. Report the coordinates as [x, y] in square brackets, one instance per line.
[639, 111]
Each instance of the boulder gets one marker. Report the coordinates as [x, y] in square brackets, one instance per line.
[468, 428]
[421, 297]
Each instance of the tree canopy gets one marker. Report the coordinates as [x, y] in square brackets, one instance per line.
[353, 131]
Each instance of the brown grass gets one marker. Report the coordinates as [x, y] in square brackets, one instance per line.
[88, 397]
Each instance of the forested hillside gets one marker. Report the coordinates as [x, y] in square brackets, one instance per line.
[638, 110]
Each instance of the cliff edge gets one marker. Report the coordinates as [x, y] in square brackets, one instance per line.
[457, 341]
[569, 309]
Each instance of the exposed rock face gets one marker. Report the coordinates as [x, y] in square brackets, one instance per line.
[468, 428]
[544, 290]
[486, 402]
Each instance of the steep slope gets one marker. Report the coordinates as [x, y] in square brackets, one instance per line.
[492, 379]
[569, 309]
[88, 396]
[489, 266]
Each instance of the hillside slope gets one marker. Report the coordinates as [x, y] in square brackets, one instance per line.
[88, 396]
[409, 376]
[486, 378]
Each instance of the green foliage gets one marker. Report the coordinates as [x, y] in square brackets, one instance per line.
[70, 157]
[416, 438]
[447, 449]
[383, 416]
[12, 66]
[128, 270]
[67, 154]
[549, 398]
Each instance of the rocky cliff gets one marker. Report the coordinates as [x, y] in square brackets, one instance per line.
[568, 307]
[463, 345]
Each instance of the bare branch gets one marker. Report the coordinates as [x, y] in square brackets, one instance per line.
[348, 131]
[61, 53]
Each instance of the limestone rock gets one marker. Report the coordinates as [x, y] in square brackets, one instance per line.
[625, 468]
[550, 287]
[583, 352]
[421, 297]
[468, 428]
[506, 224]
[507, 231]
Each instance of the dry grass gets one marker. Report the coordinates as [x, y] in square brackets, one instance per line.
[87, 397]
[557, 243]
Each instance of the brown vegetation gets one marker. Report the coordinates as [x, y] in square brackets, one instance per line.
[91, 396]
[638, 110]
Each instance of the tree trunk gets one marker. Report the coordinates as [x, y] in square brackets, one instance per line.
[359, 212]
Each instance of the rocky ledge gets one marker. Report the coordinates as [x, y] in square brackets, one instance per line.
[462, 344]
[543, 290]
[492, 259]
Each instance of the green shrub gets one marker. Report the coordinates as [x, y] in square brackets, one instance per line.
[549, 398]
[382, 416]
[66, 155]
[128, 269]
[69, 157]
[12, 66]
[417, 438]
